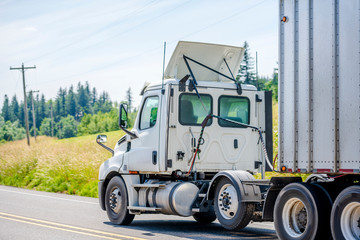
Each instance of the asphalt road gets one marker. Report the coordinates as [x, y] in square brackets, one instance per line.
[28, 214]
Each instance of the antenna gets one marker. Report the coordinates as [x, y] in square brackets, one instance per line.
[163, 76]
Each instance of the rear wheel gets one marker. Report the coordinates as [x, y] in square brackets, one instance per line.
[230, 211]
[116, 202]
[205, 217]
[302, 212]
[345, 214]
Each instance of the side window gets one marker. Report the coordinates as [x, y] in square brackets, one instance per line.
[149, 112]
[191, 110]
[234, 108]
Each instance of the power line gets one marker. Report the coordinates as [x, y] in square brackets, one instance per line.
[138, 25]
[135, 12]
[235, 14]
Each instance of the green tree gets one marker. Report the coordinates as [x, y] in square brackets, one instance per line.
[42, 110]
[129, 99]
[57, 110]
[272, 85]
[14, 109]
[83, 98]
[11, 131]
[93, 96]
[246, 72]
[71, 102]
[103, 104]
[262, 81]
[45, 127]
[67, 127]
[100, 122]
[5, 111]
[21, 114]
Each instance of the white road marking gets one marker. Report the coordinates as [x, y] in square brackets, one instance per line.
[44, 196]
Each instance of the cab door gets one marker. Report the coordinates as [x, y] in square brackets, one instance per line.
[143, 151]
[187, 113]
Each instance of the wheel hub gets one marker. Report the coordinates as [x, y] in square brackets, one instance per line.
[350, 221]
[115, 200]
[228, 201]
[302, 219]
[295, 217]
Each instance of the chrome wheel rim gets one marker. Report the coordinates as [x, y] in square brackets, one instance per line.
[115, 200]
[295, 217]
[350, 221]
[228, 203]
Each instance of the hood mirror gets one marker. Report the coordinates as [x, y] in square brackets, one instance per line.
[123, 120]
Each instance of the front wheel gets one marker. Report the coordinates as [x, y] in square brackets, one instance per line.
[345, 214]
[232, 213]
[116, 202]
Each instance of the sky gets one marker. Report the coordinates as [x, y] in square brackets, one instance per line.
[116, 44]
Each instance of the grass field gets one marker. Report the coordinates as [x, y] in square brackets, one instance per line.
[67, 166]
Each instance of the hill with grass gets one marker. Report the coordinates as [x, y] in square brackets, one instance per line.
[68, 165]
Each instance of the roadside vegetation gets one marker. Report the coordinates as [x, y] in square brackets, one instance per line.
[67, 166]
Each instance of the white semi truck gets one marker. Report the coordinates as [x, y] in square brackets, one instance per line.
[200, 135]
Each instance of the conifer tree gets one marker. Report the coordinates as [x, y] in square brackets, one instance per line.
[129, 99]
[246, 72]
[14, 109]
[5, 111]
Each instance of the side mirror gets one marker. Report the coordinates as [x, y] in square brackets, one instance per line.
[123, 116]
[101, 139]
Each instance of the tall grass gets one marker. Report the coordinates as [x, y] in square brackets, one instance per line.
[68, 166]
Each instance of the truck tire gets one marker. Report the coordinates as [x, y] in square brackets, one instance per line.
[345, 214]
[204, 217]
[116, 202]
[302, 211]
[230, 211]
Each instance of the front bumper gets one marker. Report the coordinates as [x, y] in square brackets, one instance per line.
[101, 192]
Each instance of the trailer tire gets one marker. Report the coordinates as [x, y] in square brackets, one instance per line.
[204, 217]
[345, 214]
[116, 202]
[230, 211]
[302, 212]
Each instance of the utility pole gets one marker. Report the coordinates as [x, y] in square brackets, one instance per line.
[33, 111]
[22, 68]
[257, 78]
[52, 119]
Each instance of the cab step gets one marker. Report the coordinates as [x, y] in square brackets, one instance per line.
[143, 209]
[148, 185]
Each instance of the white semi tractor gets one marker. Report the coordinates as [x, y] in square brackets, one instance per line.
[200, 135]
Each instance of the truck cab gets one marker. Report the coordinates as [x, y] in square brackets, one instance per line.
[190, 128]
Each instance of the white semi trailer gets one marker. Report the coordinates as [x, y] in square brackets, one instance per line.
[198, 137]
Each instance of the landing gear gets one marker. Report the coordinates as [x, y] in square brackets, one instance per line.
[116, 202]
